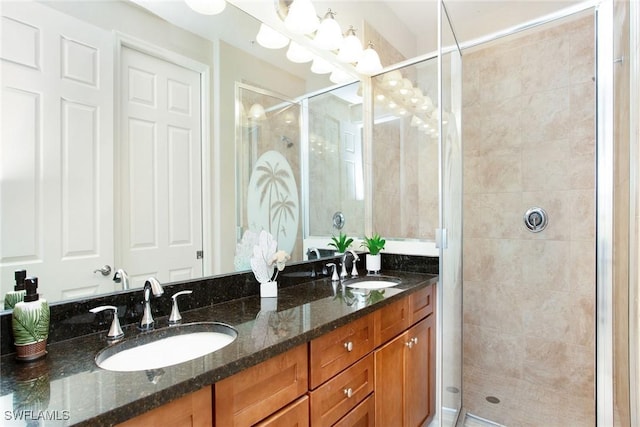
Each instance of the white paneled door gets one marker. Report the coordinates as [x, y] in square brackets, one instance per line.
[56, 151]
[160, 169]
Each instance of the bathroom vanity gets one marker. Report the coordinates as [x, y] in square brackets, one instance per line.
[320, 354]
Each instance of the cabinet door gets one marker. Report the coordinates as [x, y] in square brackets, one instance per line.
[389, 385]
[257, 392]
[420, 381]
[192, 410]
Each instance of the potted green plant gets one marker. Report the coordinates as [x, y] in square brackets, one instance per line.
[374, 244]
[341, 243]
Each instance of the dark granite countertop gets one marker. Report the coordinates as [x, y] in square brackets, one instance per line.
[69, 389]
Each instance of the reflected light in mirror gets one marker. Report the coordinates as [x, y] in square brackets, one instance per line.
[207, 7]
[298, 54]
[256, 112]
[302, 17]
[270, 38]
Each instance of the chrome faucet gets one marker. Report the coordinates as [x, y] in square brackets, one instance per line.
[317, 252]
[150, 286]
[314, 250]
[121, 276]
[354, 270]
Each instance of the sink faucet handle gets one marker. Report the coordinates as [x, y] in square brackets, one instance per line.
[354, 269]
[175, 317]
[115, 331]
[334, 276]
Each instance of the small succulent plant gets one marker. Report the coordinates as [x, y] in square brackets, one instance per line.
[341, 243]
[375, 243]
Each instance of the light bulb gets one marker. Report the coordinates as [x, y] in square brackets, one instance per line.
[207, 7]
[270, 38]
[301, 18]
[298, 54]
[351, 48]
[328, 36]
[370, 61]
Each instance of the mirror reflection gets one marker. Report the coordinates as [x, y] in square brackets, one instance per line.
[405, 151]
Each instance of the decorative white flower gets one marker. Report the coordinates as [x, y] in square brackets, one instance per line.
[279, 259]
[266, 259]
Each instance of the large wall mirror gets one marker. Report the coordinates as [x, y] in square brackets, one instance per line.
[87, 190]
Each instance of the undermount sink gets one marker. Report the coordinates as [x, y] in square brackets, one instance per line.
[166, 347]
[370, 282]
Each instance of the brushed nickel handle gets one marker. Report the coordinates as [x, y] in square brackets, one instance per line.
[105, 270]
[348, 346]
[348, 392]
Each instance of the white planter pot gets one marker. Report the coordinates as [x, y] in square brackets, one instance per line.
[269, 290]
[373, 263]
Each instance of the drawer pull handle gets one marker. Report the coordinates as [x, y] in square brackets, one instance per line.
[411, 342]
[348, 345]
[348, 392]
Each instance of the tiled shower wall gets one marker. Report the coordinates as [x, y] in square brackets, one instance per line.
[529, 299]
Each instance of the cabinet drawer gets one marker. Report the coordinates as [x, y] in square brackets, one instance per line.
[333, 352]
[257, 392]
[391, 320]
[421, 303]
[339, 395]
[293, 415]
[362, 415]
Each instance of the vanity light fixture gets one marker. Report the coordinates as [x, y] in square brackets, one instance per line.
[270, 38]
[298, 54]
[329, 35]
[301, 17]
[207, 7]
[369, 63]
[350, 50]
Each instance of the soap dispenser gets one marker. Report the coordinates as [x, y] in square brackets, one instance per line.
[17, 295]
[30, 322]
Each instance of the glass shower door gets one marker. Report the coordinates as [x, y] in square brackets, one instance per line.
[450, 236]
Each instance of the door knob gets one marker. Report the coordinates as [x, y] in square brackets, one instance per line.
[105, 270]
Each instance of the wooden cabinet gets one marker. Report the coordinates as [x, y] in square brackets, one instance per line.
[257, 392]
[192, 410]
[405, 377]
[378, 370]
[335, 398]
